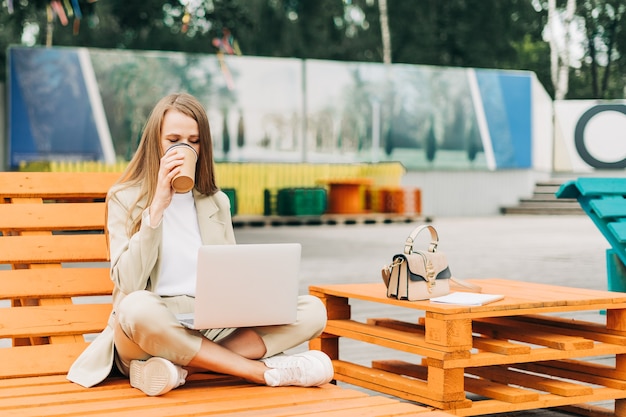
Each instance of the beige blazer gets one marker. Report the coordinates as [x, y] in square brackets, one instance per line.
[135, 265]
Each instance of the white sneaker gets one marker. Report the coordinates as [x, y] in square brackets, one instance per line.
[156, 376]
[309, 369]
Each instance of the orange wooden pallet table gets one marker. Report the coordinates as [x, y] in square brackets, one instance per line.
[506, 356]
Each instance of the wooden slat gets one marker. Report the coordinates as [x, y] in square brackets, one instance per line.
[565, 370]
[54, 282]
[56, 184]
[39, 360]
[503, 347]
[590, 368]
[203, 395]
[53, 249]
[489, 389]
[393, 384]
[535, 334]
[61, 337]
[62, 319]
[394, 339]
[485, 358]
[587, 330]
[503, 375]
[500, 391]
[68, 216]
[523, 297]
[483, 343]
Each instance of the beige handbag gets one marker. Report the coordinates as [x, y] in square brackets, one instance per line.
[419, 275]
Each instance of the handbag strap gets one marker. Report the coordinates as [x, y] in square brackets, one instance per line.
[434, 239]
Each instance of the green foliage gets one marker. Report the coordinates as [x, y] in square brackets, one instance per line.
[430, 145]
[462, 33]
[241, 136]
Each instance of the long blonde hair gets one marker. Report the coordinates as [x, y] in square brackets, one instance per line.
[143, 168]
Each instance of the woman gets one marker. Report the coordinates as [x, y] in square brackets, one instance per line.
[154, 234]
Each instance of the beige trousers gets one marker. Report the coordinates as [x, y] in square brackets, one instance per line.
[146, 326]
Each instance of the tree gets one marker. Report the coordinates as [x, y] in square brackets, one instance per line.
[560, 51]
[430, 144]
[384, 31]
[604, 25]
[225, 134]
[145, 25]
[241, 136]
[462, 33]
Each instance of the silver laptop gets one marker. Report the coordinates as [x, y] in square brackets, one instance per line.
[245, 285]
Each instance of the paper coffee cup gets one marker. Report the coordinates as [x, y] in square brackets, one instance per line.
[184, 181]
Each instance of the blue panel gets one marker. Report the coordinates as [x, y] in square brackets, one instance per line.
[20, 136]
[51, 117]
[516, 92]
[507, 105]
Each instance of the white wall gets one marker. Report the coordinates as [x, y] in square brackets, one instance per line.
[603, 134]
[472, 193]
[542, 127]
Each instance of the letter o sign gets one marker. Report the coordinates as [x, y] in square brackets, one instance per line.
[579, 136]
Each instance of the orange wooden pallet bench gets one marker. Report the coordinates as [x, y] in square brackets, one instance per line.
[55, 295]
[510, 355]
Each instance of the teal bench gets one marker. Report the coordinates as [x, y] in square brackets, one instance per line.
[604, 201]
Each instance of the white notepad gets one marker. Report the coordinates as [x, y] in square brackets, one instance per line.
[467, 298]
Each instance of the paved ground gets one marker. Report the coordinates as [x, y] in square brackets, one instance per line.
[561, 250]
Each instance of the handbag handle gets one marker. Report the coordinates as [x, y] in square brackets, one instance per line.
[434, 239]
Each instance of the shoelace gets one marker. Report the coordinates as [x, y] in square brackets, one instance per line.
[290, 374]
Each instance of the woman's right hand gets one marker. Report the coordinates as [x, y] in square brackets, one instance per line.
[170, 166]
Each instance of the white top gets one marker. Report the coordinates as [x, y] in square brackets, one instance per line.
[181, 241]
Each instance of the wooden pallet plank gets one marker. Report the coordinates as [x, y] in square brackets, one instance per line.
[38, 360]
[562, 370]
[502, 347]
[48, 185]
[452, 380]
[54, 282]
[503, 375]
[210, 399]
[588, 330]
[537, 298]
[499, 391]
[363, 407]
[506, 328]
[7, 385]
[53, 249]
[545, 401]
[391, 338]
[489, 389]
[392, 384]
[203, 394]
[55, 319]
[592, 368]
[69, 216]
[484, 358]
